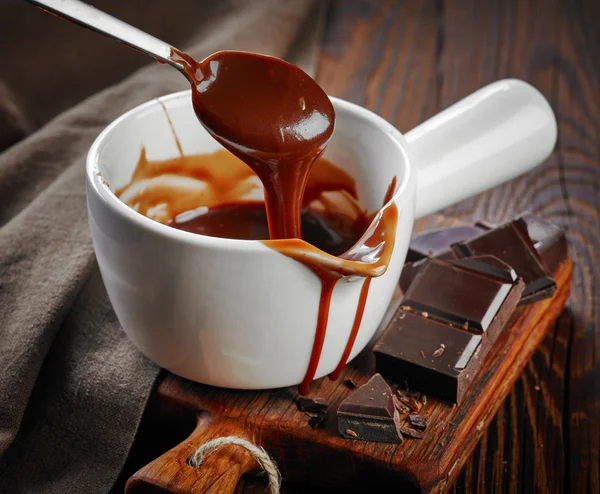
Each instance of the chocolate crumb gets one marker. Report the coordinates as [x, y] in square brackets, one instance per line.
[424, 314]
[351, 433]
[465, 325]
[408, 398]
[422, 354]
[317, 405]
[458, 353]
[351, 383]
[316, 420]
[438, 352]
[405, 399]
[414, 405]
[418, 422]
[410, 432]
[401, 407]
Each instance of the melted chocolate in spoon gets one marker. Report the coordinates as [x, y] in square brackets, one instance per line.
[271, 115]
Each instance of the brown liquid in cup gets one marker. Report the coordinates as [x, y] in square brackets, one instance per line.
[273, 117]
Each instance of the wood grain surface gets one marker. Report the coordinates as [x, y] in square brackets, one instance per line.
[406, 60]
[409, 59]
[320, 456]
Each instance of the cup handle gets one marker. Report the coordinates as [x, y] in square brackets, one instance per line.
[219, 473]
[493, 135]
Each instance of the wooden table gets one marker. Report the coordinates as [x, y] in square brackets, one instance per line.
[407, 60]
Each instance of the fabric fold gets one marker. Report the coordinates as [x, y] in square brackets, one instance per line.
[72, 386]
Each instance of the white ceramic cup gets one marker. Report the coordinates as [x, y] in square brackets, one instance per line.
[237, 314]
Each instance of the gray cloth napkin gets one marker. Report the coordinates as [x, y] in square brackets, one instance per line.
[72, 387]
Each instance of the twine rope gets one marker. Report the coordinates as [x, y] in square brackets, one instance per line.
[259, 454]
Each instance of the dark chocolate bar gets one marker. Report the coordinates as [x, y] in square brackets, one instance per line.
[511, 244]
[435, 357]
[436, 243]
[548, 239]
[417, 422]
[451, 316]
[467, 294]
[369, 413]
[410, 432]
[316, 405]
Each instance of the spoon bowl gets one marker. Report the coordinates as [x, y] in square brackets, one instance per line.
[280, 108]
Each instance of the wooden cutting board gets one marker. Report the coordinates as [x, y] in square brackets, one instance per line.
[320, 456]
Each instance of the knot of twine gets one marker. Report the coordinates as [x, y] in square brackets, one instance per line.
[259, 454]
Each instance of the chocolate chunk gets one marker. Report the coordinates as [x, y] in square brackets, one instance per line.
[410, 398]
[414, 404]
[467, 302]
[457, 294]
[398, 356]
[430, 353]
[316, 420]
[549, 241]
[401, 407]
[436, 243]
[369, 413]
[408, 431]
[511, 244]
[315, 405]
[417, 422]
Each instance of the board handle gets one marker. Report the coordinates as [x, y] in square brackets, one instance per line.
[219, 473]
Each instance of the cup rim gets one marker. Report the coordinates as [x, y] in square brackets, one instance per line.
[101, 189]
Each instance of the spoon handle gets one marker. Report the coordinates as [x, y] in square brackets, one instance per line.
[92, 18]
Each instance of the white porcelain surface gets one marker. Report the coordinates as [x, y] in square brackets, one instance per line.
[237, 314]
[497, 133]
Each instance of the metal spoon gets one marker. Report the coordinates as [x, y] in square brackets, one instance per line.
[254, 103]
